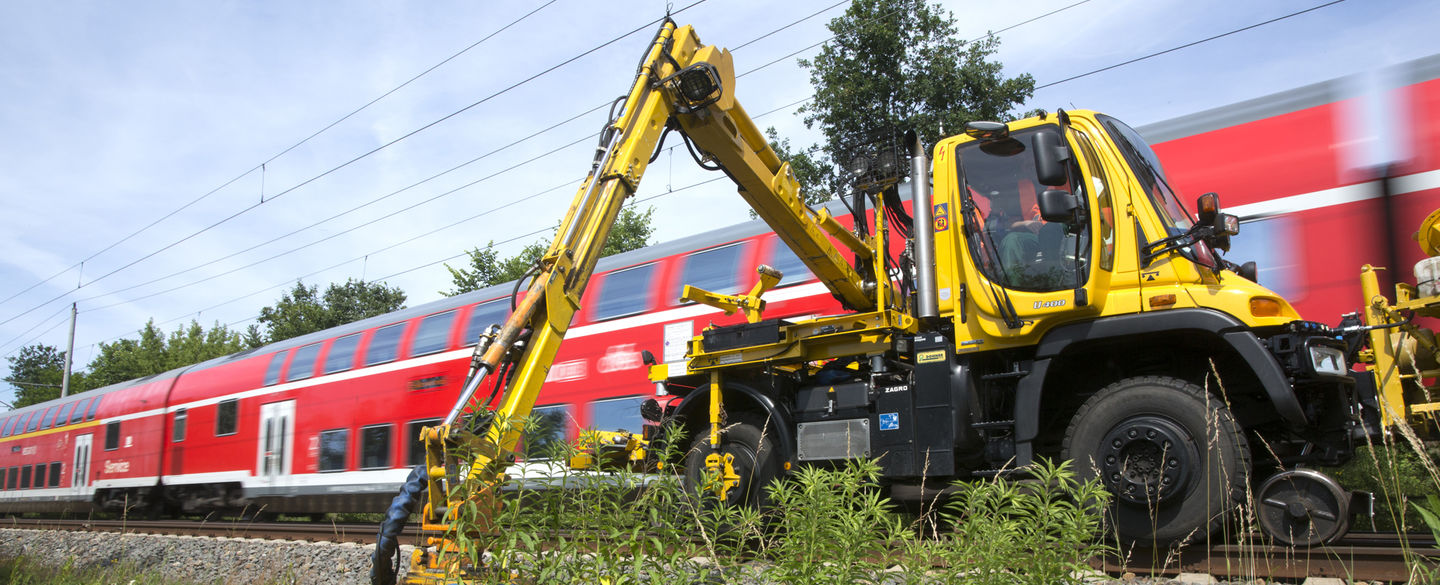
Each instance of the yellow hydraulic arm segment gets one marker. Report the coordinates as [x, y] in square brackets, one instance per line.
[681, 85]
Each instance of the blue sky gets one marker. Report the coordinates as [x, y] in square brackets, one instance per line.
[116, 114]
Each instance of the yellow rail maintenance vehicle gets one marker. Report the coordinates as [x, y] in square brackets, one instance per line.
[1399, 351]
[1054, 298]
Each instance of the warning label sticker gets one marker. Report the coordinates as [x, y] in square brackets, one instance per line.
[926, 357]
[889, 421]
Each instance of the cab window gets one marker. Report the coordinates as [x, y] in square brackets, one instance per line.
[1100, 192]
[1007, 238]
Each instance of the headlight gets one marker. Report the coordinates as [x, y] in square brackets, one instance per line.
[1327, 360]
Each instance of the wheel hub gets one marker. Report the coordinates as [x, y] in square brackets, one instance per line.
[1146, 459]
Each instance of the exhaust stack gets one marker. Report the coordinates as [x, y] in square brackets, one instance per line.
[927, 306]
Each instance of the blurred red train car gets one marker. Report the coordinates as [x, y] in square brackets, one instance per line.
[327, 422]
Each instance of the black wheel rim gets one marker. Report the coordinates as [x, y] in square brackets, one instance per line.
[1147, 460]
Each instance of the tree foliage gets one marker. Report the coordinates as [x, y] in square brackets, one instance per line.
[632, 230]
[154, 352]
[303, 309]
[897, 65]
[36, 372]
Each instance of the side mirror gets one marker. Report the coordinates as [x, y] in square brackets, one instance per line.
[1248, 271]
[1057, 205]
[1050, 156]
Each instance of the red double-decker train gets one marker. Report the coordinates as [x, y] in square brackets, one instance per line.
[327, 422]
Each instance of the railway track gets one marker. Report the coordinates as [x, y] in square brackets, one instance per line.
[1359, 556]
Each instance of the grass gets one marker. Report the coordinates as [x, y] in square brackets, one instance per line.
[823, 525]
[28, 572]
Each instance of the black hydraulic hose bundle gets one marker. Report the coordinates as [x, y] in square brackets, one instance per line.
[387, 543]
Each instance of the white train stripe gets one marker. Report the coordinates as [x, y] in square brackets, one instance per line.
[1337, 196]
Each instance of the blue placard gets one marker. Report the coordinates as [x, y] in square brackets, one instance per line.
[889, 421]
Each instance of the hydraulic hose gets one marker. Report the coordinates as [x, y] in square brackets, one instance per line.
[387, 543]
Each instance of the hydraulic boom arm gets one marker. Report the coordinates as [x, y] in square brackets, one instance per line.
[680, 85]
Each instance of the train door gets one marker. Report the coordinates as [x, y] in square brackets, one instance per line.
[80, 468]
[277, 433]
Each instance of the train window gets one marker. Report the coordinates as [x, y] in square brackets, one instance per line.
[227, 417]
[619, 414]
[714, 270]
[384, 344]
[14, 479]
[177, 433]
[9, 424]
[112, 436]
[54, 474]
[332, 449]
[785, 260]
[4, 477]
[64, 416]
[375, 447]
[625, 292]
[303, 364]
[415, 454]
[434, 334]
[33, 423]
[39, 475]
[94, 408]
[483, 316]
[342, 354]
[25, 477]
[79, 413]
[548, 431]
[272, 373]
[47, 420]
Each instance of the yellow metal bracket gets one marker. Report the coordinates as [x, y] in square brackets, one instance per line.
[749, 303]
[721, 469]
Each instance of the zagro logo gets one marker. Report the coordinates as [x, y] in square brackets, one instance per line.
[1049, 304]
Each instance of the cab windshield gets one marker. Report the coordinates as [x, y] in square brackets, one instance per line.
[1147, 169]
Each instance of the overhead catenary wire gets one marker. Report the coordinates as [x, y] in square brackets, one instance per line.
[765, 35]
[1084, 74]
[1188, 45]
[394, 193]
[360, 157]
[287, 150]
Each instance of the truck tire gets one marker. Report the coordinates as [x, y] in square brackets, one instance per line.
[755, 460]
[1172, 457]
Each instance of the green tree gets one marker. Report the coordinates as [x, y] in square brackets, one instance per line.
[896, 65]
[36, 372]
[154, 352]
[303, 309]
[632, 230]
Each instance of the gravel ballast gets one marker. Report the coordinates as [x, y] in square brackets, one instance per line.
[204, 560]
[198, 559]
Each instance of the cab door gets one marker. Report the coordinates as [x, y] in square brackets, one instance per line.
[1022, 272]
[277, 438]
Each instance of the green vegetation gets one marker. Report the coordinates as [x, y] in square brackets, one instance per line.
[895, 65]
[27, 572]
[824, 525]
[632, 231]
[36, 370]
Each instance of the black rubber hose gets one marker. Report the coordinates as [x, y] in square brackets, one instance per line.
[387, 544]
